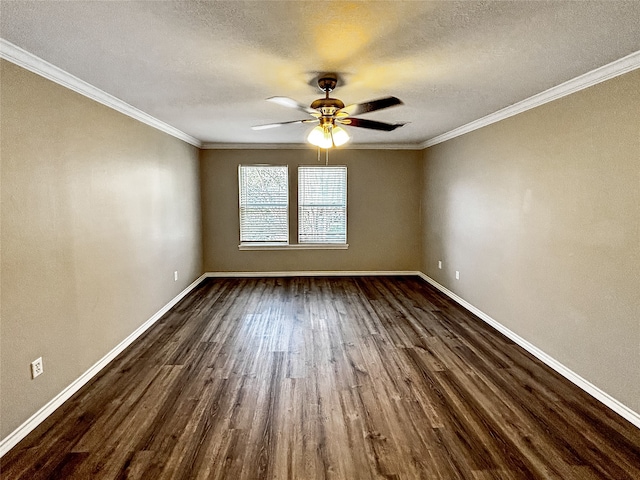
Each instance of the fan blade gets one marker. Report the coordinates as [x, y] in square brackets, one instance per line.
[360, 108]
[291, 103]
[273, 125]
[372, 124]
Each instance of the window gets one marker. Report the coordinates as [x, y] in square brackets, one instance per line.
[322, 204]
[264, 207]
[264, 203]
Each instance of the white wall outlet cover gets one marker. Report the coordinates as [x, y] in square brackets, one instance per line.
[440, 264]
[175, 276]
[36, 367]
[457, 275]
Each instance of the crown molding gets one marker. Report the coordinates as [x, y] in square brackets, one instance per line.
[599, 75]
[29, 61]
[305, 146]
[254, 146]
[22, 58]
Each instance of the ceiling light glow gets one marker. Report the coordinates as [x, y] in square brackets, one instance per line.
[327, 136]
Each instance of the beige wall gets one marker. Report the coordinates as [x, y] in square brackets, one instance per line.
[383, 222]
[98, 211]
[540, 213]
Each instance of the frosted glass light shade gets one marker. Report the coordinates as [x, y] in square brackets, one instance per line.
[320, 137]
[340, 136]
[327, 136]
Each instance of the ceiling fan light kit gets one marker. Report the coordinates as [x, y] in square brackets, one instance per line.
[330, 113]
[327, 136]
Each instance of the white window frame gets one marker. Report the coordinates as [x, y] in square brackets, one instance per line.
[241, 196]
[310, 201]
[255, 245]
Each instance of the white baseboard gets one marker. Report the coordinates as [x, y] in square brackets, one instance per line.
[312, 273]
[618, 407]
[37, 418]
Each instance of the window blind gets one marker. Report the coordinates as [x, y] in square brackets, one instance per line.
[264, 203]
[322, 204]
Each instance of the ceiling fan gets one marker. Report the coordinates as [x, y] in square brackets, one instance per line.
[330, 113]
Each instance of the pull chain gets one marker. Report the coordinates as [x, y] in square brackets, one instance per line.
[326, 158]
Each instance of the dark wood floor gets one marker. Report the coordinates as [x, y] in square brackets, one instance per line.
[313, 378]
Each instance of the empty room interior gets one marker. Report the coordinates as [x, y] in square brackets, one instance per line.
[331, 239]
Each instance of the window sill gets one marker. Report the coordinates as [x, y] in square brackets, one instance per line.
[296, 246]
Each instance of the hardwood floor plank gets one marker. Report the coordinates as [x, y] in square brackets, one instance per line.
[326, 378]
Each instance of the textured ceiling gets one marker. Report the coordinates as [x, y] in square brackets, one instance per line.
[207, 67]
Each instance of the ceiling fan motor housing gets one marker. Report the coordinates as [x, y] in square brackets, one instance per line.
[328, 106]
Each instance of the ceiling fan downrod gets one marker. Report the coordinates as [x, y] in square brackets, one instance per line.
[327, 105]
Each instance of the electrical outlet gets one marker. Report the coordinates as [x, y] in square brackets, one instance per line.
[457, 275]
[175, 276]
[36, 368]
[440, 264]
